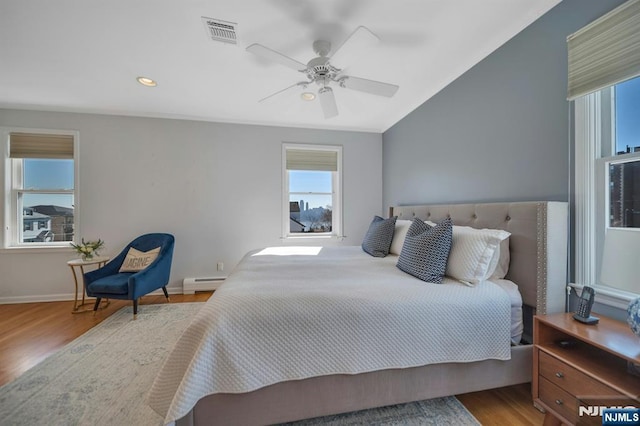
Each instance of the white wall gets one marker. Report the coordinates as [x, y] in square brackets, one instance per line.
[216, 187]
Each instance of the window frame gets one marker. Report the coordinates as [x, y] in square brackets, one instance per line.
[594, 152]
[11, 234]
[336, 184]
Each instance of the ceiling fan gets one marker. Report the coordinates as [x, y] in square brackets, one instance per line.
[322, 71]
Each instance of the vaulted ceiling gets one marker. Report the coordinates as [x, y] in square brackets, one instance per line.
[85, 55]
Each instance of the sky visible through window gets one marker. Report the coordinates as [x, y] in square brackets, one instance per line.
[48, 174]
[628, 115]
[310, 181]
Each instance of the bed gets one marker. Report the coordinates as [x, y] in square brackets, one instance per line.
[304, 380]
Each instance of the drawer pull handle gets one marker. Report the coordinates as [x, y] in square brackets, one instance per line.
[559, 402]
[559, 375]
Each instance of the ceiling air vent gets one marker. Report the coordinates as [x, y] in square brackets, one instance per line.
[220, 30]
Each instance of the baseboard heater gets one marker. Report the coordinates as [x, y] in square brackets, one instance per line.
[191, 285]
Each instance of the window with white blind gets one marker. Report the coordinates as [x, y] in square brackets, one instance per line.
[604, 82]
[311, 190]
[40, 188]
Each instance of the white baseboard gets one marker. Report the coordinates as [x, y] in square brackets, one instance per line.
[36, 298]
[191, 285]
[67, 297]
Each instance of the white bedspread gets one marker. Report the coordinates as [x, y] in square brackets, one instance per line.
[320, 311]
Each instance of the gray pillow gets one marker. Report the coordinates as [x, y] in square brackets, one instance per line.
[426, 250]
[377, 241]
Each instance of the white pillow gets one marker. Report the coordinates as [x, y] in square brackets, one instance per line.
[475, 254]
[137, 260]
[399, 234]
[502, 257]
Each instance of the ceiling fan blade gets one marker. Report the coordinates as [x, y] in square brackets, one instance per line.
[271, 55]
[370, 86]
[328, 102]
[360, 40]
[300, 84]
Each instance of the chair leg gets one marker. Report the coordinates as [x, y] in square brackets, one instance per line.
[135, 308]
[96, 305]
[166, 293]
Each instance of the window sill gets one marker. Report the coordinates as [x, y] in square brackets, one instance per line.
[37, 249]
[308, 237]
[609, 296]
[313, 237]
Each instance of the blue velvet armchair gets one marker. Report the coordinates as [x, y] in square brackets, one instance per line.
[109, 283]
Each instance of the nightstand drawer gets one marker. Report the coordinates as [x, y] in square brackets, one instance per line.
[557, 399]
[571, 380]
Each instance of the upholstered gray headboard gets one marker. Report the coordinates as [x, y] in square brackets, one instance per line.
[538, 243]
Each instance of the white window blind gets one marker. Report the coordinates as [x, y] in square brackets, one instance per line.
[306, 159]
[605, 52]
[36, 145]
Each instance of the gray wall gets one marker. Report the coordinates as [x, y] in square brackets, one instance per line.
[217, 187]
[502, 131]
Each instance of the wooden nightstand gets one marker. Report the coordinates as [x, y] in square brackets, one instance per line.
[592, 364]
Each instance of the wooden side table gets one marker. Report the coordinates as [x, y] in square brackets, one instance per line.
[100, 261]
[574, 361]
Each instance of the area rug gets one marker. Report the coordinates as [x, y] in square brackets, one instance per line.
[103, 377]
[438, 411]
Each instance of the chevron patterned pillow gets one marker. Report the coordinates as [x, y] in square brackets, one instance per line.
[426, 250]
[378, 239]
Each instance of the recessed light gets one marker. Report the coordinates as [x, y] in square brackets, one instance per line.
[146, 81]
[308, 96]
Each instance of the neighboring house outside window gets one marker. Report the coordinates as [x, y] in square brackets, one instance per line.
[312, 203]
[36, 227]
[40, 188]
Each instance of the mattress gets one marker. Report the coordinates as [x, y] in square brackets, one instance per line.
[290, 313]
[510, 288]
[517, 324]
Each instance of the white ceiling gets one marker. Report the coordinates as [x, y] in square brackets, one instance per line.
[85, 55]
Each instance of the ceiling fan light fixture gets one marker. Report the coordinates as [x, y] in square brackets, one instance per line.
[321, 70]
[146, 81]
[307, 96]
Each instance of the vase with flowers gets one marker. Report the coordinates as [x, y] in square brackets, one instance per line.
[88, 249]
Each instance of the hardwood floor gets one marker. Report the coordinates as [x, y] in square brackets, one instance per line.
[29, 332]
[511, 405]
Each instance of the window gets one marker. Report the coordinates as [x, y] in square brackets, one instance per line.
[624, 170]
[312, 190]
[604, 82]
[609, 181]
[40, 188]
